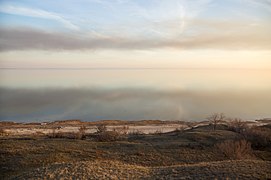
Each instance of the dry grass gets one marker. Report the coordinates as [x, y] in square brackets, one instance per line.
[240, 149]
[186, 154]
[105, 169]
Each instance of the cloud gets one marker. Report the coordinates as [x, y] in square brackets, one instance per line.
[202, 35]
[37, 13]
[266, 3]
[262, 4]
[129, 104]
[137, 25]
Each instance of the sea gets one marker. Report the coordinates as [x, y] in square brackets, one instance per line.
[38, 95]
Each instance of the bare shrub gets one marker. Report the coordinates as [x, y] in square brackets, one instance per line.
[136, 132]
[215, 119]
[3, 132]
[191, 125]
[260, 137]
[108, 136]
[59, 134]
[158, 132]
[38, 134]
[239, 149]
[101, 128]
[81, 134]
[124, 130]
[103, 135]
[52, 134]
[180, 129]
[237, 125]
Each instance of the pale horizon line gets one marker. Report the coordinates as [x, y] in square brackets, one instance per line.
[127, 68]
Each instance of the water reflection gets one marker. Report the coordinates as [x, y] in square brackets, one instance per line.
[38, 95]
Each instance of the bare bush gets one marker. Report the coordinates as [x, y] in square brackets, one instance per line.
[2, 132]
[103, 135]
[260, 137]
[108, 136]
[136, 132]
[215, 119]
[158, 132]
[237, 125]
[239, 149]
[101, 128]
[81, 134]
[180, 129]
[59, 134]
[52, 134]
[124, 130]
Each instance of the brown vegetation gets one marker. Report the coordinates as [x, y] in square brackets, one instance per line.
[215, 119]
[109, 136]
[101, 128]
[260, 137]
[196, 153]
[2, 132]
[103, 135]
[237, 125]
[81, 134]
[239, 149]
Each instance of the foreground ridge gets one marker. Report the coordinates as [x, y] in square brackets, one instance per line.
[108, 169]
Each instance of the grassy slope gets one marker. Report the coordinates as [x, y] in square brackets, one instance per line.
[160, 154]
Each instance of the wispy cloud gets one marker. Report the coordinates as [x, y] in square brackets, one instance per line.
[139, 25]
[203, 34]
[37, 13]
[263, 4]
[150, 16]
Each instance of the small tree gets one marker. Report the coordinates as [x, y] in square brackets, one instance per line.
[215, 119]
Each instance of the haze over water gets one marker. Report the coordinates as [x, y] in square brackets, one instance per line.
[133, 94]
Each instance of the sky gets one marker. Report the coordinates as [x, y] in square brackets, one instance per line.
[135, 34]
[149, 59]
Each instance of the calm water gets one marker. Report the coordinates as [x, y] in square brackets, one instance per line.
[42, 95]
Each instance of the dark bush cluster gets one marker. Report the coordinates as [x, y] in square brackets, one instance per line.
[103, 135]
[260, 137]
[108, 136]
[237, 125]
